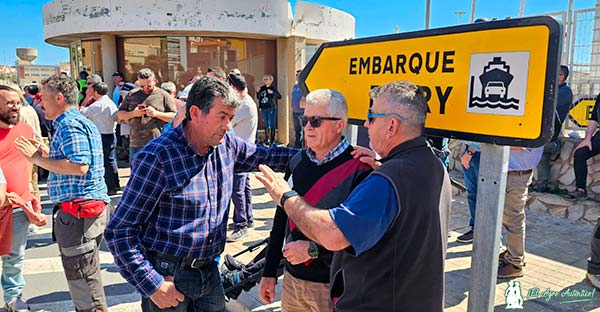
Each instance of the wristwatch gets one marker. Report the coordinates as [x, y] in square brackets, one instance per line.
[313, 250]
[286, 196]
[470, 153]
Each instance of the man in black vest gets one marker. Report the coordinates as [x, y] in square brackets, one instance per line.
[390, 233]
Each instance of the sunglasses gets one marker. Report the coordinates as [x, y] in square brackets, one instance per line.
[371, 116]
[315, 121]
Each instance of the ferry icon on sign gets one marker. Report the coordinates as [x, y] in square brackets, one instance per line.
[497, 83]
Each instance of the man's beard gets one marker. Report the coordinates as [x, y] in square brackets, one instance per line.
[9, 120]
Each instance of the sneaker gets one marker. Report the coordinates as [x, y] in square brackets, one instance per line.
[594, 279]
[507, 270]
[232, 264]
[237, 234]
[16, 305]
[576, 194]
[466, 238]
[233, 226]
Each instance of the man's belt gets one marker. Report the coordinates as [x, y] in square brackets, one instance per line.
[186, 262]
[83, 208]
[520, 172]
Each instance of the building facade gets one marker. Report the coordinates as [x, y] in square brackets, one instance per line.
[178, 39]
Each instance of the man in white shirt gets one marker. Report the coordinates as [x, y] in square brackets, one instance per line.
[244, 125]
[102, 112]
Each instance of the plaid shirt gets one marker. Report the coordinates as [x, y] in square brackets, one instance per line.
[177, 202]
[77, 140]
[333, 153]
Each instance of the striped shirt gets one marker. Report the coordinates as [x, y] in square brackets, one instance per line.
[177, 202]
[77, 140]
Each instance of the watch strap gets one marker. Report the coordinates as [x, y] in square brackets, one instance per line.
[285, 196]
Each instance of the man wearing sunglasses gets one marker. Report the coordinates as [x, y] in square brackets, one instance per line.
[389, 235]
[324, 174]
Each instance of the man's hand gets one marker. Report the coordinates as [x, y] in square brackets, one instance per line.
[585, 143]
[150, 111]
[366, 156]
[266, 289]
[15, 199]
[27, 147]
[167, 296]
[465, 159]
[296, 252]
[274, 183]
[139, 111]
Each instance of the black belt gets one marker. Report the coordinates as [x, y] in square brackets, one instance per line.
[520, 172]
[185, 262]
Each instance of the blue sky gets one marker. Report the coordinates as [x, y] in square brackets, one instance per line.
[21, 21]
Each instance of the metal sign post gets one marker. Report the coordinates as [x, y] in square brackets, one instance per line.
[491, 188]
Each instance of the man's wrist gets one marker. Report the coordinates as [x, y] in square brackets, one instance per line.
[285, 196]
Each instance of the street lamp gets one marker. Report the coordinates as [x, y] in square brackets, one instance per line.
[459, 14]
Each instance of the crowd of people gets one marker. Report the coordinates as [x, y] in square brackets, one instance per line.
[190, 150]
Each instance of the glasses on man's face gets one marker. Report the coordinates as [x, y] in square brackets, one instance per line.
[315, 121]
[371, 116]
[14, 105]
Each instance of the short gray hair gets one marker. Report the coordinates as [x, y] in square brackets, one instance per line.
[65, 85]
[335, 101]
[145, 73]
[168, 86]
[94, 78]
[404, 98]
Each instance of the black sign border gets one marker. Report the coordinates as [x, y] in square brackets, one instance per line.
[550, 85]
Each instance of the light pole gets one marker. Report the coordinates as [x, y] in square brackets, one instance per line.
[459, 14]
[472, 11]
[427, 13]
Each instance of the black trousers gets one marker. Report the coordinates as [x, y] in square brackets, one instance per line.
[580, 161]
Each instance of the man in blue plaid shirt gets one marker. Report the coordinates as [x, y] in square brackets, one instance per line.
[76, 175]
[171, 222]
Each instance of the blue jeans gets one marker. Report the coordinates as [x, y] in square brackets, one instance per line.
[242, 200]
[268, 115]
[471, 177]
[12, 265]
[202, 288]
[111, 170]
[132, 151]
[298, 129]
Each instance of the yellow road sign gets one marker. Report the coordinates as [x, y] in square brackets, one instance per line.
[491, 82]
[581, 113]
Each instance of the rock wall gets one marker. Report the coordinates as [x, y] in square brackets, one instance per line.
[562, 174]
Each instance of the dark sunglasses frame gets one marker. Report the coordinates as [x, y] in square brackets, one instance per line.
[315, 121]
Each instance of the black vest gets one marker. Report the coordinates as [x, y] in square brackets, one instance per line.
[404, 271]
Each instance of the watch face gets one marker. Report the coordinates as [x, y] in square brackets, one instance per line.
[313, 251]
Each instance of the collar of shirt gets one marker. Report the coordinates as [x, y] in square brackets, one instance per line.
[333, 153]
[64, 115]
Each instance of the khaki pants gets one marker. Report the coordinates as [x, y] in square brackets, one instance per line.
[514, 217]
[303, 296]
[78, 241]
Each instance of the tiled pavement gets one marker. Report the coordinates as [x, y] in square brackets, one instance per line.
[556, 252]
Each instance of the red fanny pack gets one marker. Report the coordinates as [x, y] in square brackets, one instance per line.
[83, 208]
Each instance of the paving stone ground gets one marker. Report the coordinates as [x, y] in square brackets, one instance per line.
[556, 253]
